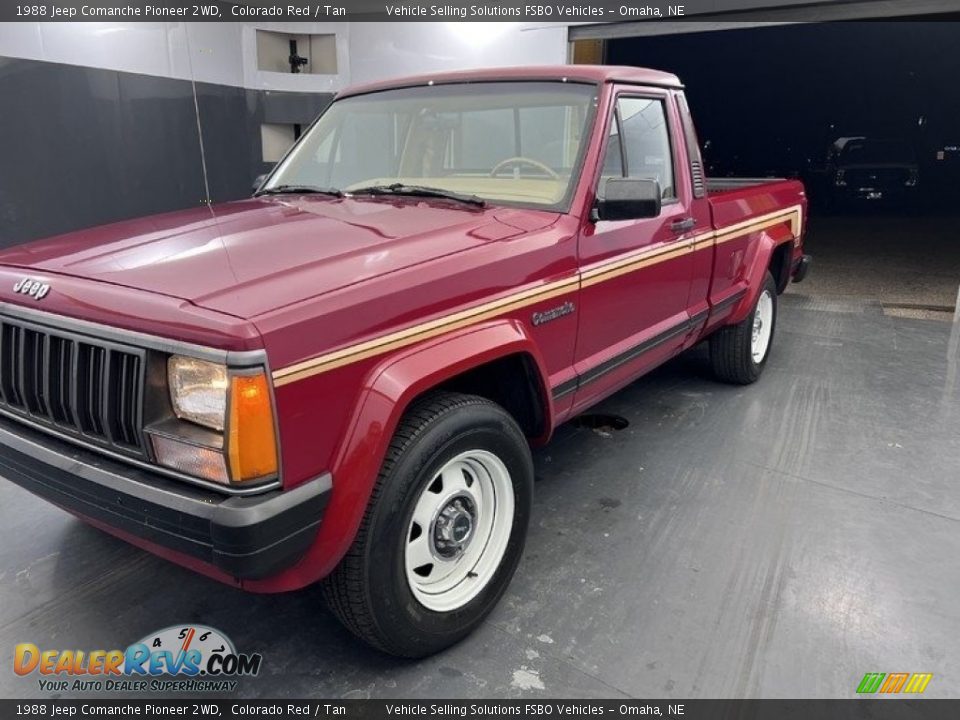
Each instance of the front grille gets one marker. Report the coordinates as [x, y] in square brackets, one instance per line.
[74, 384]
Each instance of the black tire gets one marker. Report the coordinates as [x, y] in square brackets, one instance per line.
[730, 347]
[369, 592]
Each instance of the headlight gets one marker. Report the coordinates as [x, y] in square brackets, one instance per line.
[198, 391]
[227, 446]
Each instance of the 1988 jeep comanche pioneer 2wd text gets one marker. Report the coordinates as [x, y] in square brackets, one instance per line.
[340, 378]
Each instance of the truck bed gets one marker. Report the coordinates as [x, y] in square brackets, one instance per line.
[719, 185]
[735, 200]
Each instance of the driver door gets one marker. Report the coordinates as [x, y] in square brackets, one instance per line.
[636, 274]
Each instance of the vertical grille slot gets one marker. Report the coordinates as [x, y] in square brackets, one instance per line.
[60, 374]
[32, 356]
[123, 401]
[10, 365]
[91, 361]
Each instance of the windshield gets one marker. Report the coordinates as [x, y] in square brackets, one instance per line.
[505, 142]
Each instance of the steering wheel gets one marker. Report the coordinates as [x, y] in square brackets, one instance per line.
[520, 160]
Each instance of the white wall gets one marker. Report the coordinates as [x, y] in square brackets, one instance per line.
[226, 53]
[211, 52]
[383, 50]
[222, 53]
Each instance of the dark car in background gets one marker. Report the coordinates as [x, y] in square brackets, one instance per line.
[864, 169]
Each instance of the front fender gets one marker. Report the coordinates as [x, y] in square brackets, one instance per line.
[387, 392]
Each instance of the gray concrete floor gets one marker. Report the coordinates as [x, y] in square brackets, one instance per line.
[904, 262]
[778, 540]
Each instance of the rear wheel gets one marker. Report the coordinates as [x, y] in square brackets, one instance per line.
[443, 531]
[738, 353]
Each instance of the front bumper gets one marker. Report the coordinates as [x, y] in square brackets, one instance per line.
[248, 537]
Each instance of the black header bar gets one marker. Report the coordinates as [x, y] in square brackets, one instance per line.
[887, 709]
[565, 11]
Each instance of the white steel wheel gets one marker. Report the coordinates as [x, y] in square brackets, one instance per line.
[459, 531]
[444, 530]
[738, 353]
[762, 329]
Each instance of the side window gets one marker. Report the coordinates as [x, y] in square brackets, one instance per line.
[613, 153]
[646, 141]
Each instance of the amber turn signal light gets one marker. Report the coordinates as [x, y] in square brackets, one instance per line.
[252, 444]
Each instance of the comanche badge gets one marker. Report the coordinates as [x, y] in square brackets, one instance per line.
[539, 318]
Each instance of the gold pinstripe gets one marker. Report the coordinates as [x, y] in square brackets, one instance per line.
[591, 275]
[793, 214]
[607, 270]
[427, 330]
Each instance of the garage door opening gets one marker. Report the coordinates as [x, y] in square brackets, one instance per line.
[863, 112]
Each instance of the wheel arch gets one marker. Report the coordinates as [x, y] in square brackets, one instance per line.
[514, 382]
[451, 362]
[771, 248]
[781, 261]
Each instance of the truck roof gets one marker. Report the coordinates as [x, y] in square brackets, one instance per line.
[583, 73]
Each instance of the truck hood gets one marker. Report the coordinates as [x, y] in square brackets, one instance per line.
[248, 257]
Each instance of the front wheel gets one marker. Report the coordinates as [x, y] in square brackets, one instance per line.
[738, 353]
[444, 529]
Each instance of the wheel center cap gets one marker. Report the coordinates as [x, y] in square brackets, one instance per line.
[461, 528]
[454, 527]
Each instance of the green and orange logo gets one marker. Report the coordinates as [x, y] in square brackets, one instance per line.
[891, 683]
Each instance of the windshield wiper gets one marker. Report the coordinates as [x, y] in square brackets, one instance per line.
[419, 191]
[300, 190]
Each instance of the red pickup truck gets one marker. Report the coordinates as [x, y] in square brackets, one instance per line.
[340, 378]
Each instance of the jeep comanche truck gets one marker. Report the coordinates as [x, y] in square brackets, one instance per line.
[341, 378]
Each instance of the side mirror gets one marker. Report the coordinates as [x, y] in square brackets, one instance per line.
[628, 199]
[258, 181]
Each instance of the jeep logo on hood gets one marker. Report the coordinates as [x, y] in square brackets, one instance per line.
[34, 288]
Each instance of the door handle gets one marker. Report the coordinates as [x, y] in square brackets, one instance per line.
[679, 226]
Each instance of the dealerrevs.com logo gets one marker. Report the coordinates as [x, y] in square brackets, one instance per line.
[181, 658]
